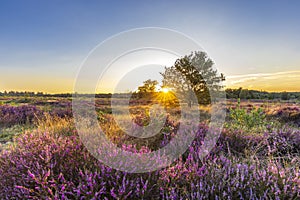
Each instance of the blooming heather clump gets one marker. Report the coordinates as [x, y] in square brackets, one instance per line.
[222, 178]
[61, 112]
[287, 114]
[48, 166]
[11, 115]
[61, 109]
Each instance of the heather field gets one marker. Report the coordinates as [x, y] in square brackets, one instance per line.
[157, 100]
[257, 155]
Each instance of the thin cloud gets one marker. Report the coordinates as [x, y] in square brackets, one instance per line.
[278, 81]
[262, 74]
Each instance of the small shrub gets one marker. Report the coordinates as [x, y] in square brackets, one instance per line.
[241, 118]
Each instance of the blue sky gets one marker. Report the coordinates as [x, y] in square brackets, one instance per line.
[42, 44]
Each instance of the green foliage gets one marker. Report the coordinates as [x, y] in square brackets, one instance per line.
[247, 120]
[148, 88]
[255, 94]
[7, 134]
[193, 74]
[285, 96]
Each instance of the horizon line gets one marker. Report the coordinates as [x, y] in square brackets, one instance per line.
[103, 92]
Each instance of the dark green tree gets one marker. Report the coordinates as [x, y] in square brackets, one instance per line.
[148, 88]
[193, 74]
[285, 96]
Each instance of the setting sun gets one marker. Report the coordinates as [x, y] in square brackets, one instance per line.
[165, 90]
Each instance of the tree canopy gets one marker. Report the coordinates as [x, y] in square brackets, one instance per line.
[193, 75]
[148, 87]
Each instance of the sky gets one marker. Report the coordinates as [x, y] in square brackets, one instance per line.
[254, 43]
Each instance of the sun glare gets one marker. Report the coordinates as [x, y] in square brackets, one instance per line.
[165, 90]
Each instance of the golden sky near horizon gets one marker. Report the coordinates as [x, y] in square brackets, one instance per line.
[273, 82]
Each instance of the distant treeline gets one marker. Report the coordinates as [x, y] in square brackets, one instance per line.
[255, 94]
[230, 94]
[41, 94]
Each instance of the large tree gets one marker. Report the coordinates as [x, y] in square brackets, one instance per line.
[148, 88]
[193, 75]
